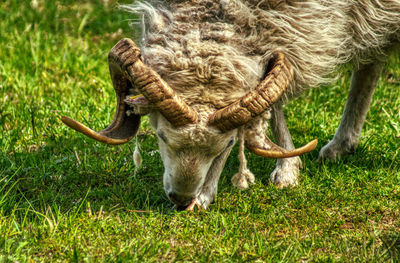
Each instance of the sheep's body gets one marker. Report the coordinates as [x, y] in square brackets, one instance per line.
[224, 46]
[212, 52]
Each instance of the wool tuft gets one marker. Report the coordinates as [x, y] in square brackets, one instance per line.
[214, 51]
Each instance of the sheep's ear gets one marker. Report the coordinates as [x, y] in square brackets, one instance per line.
[139, 105]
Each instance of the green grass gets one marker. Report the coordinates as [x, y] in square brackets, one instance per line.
[53, 62]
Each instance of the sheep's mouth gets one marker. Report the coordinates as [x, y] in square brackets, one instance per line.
[189, 207]
[180, 208]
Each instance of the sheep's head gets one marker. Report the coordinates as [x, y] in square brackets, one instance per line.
[193, 141]
[190, 155]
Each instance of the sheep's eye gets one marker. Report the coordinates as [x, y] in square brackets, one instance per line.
[230, 143]
[162, 136]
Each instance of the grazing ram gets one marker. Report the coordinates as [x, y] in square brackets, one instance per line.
[211, 72]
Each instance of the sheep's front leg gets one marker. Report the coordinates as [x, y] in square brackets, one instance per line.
[210, 188]
[347, 136]
[287, 169]
[244, 177]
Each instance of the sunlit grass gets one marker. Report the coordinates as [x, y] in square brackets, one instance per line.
[64, 197]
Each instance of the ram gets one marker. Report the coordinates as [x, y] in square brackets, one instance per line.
[213, 72]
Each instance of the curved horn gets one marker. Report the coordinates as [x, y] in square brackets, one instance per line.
[119, 135]
[126, 56]
[276, 151]
[124, 127]
[127, 69]
[280, 75]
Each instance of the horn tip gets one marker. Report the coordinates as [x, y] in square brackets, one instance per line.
[313, 144]
[67, 121]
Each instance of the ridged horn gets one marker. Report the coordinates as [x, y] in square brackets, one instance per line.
[124, 127]
[127, 69]
[276, 151]
[279, 76]
[126, 56]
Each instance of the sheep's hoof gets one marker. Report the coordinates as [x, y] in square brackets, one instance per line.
[334, 150]
[286, 172]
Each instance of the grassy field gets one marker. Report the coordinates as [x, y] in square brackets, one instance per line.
[64, 197]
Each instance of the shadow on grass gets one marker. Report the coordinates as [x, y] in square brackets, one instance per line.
[71, 172]
[391, 241]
